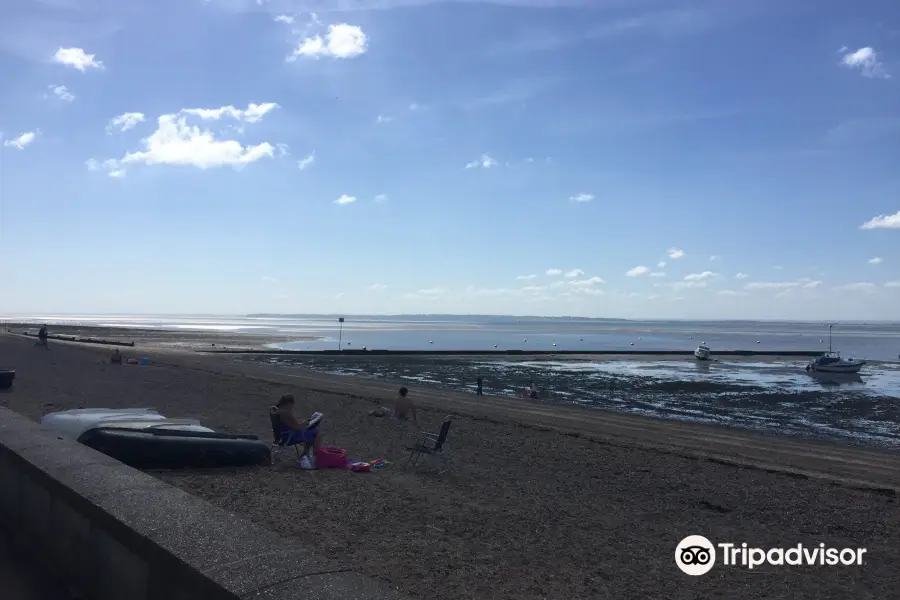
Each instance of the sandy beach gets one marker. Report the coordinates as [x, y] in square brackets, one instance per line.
[540, 502]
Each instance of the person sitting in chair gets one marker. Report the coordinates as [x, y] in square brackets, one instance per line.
[306, 433]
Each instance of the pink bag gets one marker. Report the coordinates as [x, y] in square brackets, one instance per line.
[331, 458]
[361, 467]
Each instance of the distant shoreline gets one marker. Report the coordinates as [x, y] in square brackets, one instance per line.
[30, 318]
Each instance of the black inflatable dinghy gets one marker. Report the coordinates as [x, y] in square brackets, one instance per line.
[6, 378]
[172, 449]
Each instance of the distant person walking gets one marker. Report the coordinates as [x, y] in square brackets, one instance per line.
[480, 382]
[42, 337]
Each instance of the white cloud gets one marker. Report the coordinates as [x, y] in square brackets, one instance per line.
[526, 277]
[866, 60]
[22, 141]
[730, 293]
[61, 92]
[77, 58]
[857, 287]
[414, 107]
[345, 199]
[638, 271]
[883, 222]
[176, 143]
[778, 267]
[553, 272]
[376, 287]
[657, 274]
[700, 276]
[582, 197]
[769, 285]
[741, 276]
[784, 286]
[252, 114]
[381, 198]
[307, 162]
[584, 290]
[682, 285]
[675, 253]
[714, 257]
[287, 19]
[587, 282]
[876, 261]
[485, 162]
[574, 273]
[383, 119]
[341, 41]
[125, 121]
[892, 284]
[661, 264]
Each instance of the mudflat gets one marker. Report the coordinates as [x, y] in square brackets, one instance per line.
[540, 501]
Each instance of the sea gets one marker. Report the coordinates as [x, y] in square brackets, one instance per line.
[870, 341]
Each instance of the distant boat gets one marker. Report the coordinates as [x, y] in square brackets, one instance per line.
[702, 352]
[831, 361]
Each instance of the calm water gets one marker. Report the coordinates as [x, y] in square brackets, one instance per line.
[873, 341]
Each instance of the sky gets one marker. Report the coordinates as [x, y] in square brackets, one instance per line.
[604, 158]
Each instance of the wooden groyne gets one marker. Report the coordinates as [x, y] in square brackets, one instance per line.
[81, 340]
[360, 352]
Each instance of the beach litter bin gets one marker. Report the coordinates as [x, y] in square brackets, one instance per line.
[6, 378]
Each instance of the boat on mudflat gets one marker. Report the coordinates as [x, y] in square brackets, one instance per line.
[144, 439]
[702, 352]
[831, 361]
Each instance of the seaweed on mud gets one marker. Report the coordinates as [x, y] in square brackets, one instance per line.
[693, 387]
[851, 415]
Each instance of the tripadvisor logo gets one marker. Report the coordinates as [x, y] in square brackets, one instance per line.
[696, 555]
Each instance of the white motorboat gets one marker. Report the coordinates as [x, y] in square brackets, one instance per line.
[702, 352]
[831, 361]
[73, 423]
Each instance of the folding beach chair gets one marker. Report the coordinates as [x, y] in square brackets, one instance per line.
[432, 444]
[281, 435]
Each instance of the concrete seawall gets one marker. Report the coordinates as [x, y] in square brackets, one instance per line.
[106, 531]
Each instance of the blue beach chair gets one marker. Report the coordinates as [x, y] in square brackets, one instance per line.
[281, 435]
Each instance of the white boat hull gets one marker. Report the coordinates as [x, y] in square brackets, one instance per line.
[73, 423]
[854, 367]
[701, 354]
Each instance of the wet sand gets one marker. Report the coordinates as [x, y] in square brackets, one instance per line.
[540, 502]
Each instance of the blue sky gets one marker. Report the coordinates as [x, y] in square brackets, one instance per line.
[596, 157]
